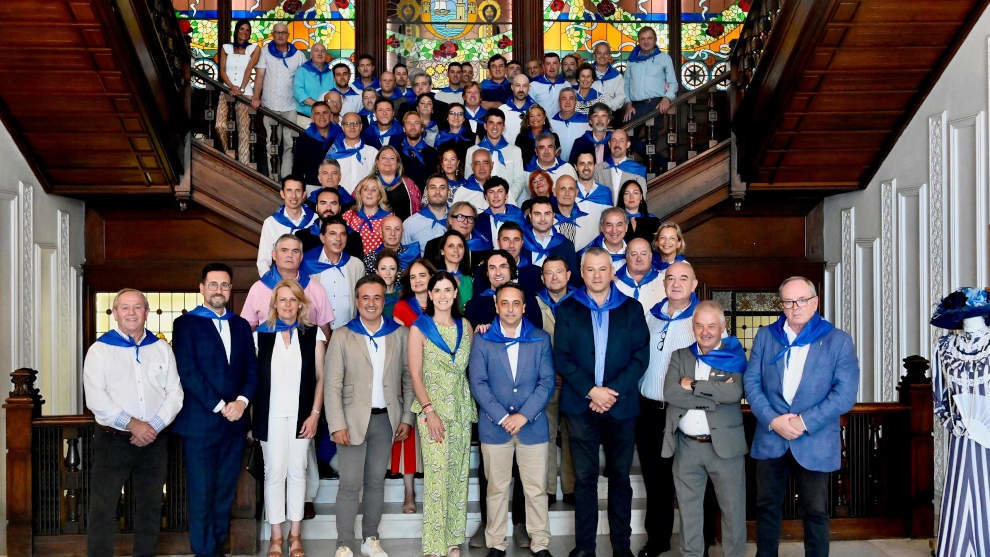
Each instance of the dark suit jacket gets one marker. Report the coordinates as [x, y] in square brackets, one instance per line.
[354, 245]
[308, 153]
[417, 171]
[206, 376]
[481, 310]
[626, 356]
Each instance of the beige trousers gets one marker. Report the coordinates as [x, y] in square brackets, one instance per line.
[532, 462]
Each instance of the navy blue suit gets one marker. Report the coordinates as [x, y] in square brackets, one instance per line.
[626, 357]
[213, 445]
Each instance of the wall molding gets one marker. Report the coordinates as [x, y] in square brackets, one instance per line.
[866, 320]
[936, 258]
[27, 356]
[847, 292]
[889, 371]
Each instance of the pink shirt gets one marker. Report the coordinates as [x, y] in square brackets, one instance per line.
[259, 299]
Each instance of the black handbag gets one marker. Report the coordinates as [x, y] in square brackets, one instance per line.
[255, 464]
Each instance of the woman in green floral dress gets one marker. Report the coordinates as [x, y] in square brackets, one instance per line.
[439, 348]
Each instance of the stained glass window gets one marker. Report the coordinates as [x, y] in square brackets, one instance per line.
[707, 28]
[747, 312]
[430, 34]
[163, 308]
[578, 25]
[198, 18]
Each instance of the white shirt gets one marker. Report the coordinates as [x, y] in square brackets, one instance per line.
[224, 334]
[568, 133]
[339, 285]
[118, 387]
[276, 92]
[513, 122]
[352, 170]
[694, 421]
[617, 263]
[377, 356]
[585, 228]
[286, 370]
[613, 91]
[351, 103]
[650, 293]
[616, 178]
[513, 171]
[563, 170]
[680, 334]
[535, 258]
[270, 232]
[475, 198]
[512, 351]
[794, 368]
[237, 64]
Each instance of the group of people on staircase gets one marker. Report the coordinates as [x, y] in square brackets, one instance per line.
[477, 254]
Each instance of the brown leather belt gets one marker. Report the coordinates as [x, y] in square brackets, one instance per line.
[698, 438]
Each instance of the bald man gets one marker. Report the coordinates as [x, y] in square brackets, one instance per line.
[392, 239]
[515, 108]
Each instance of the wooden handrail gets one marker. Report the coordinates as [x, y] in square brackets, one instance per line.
[198, 74]
[683, 98]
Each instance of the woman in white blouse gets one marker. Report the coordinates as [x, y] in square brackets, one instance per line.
[237, 60]
[287, 407]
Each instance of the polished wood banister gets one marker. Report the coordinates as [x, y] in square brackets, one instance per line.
[70, 420]
[200, 76]
[683, 98]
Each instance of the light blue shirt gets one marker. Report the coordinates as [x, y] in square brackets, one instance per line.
[651, 78]
[420, 229]
[307, 84]
[599, 327]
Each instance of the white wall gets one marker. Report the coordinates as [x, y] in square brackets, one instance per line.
[918, 231]
[41, 256]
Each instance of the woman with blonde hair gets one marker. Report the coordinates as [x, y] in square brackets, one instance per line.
[369, 211]
[403, 195]
[668, 246]
[287, 406]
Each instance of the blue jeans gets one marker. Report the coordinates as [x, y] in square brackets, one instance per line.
[588, 431]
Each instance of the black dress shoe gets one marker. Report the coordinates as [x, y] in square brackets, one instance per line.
[580, 553]
[494, 552]
[551, 499]
[543, 553]
[309, 510]
[389, 475]
[569, 498]
[652, 550]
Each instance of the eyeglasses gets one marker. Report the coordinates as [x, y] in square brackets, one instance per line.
[663, 338]
[799, 303]
[350, 124]
[463, 218]
[219, 286]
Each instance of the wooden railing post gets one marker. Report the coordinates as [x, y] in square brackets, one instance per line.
[23, 404]
[243, 515]
[915, 391]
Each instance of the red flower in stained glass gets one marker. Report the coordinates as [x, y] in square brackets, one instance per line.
[504, 42]
[291, 6]
[185, 26]
[715, 30]
[606, 8]
[557, 5]
[392, 41]
[745, 5]
[341, 4]
[446, 50]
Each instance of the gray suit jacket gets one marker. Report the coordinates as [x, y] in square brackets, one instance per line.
[604, 177]
[716, 396]
[347, 387]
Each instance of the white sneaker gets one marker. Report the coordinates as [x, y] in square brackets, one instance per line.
[343, 551]
[372, 548]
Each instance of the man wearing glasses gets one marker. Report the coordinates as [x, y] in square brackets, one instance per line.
[802, 376]
[669, 322]
[215, 357]
[276, 68]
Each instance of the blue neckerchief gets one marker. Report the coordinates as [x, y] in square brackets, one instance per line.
[661, 265]
[576, 118]
[535, 247]
[311, 67]
[576, 213]
[203, 311]
[614, 300]
[589, 136]
[339, 151]
[623, 275]
[388, 325]
[601, 195]
[813, 331]
[534, 164]
[610, 73]
[313, 132]
[350, 92]
[592, 94]
[307, 218]
[472, 184]
[434, 221]
[426, 324]
[526, 333]
[512, 213]
[545, 296]
[490, 85]
[454, 184]
[431, 126]
[274, 51]
[414, 305]
[389, 185]
[447, 89]
[345, 200]
[366, 220]
[365, 113]
[512, 105]
[113, 338]
[637, 55]
[407, 94]
[443, 136]
[359, 85]
[413, 151]
[486, 144]
[394, 129]
[280, 326]
[546, 81]
[478, 116]
[487, 292]
[312, 265]
[657, 311]
[272, 278]
[407, 253]
[395, 94]
[630, 166]
[599, 242]
[731, 357]
[477, 242]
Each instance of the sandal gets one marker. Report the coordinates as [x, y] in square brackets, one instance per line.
[296, 552]
[275, 547]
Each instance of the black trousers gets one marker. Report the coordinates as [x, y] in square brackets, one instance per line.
[213, 464]
[771, 487]
[657, 475]
[114, 460]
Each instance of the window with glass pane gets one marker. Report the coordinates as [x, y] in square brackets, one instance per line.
[330, 22]
[163, 308]
[430, 34]
[198, 19]
[746, 312]
[578, 25]
[707, 29]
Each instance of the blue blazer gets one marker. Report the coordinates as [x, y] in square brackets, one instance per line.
[498, 395]
[827, 391]
[626, 356]
[206, 376]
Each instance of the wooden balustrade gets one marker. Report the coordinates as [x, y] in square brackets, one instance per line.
[48, 483]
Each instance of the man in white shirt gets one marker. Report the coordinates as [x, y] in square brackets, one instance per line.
[356, 159]
[570, 220]
[669, 323]
[342, 84]
[545, 89]
[132, 388]
[336, 270]
[637, 278]
[473, 189]
[592, 197]
[515, 109]
[506, 159]
[568, 124]
[431, 221]
[367, 396]
[621, 168]
[547, 159]
[610, 82]
[276, 67]
[289, 218]
[453, 92]
[613, 224]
